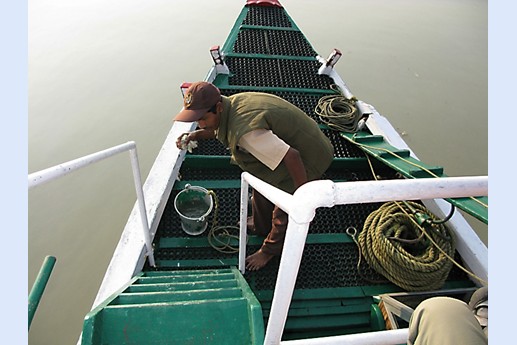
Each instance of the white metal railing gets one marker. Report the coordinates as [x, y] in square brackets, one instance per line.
[52, 173]
[394, 336]
[302, 205]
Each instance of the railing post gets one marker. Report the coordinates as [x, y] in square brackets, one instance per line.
[141, 205]
[243, 236]
[295, 236]
[39, 285]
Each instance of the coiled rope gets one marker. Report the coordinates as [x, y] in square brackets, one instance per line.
[403, 252]
[413, 257]
[338, 113]
[220, 237]
[432, 226]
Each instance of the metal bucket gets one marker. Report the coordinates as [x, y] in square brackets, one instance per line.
[193, 204]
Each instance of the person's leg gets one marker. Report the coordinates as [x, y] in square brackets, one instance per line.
[274, 241]
[270, 222]
[444, 321]
[262, 210]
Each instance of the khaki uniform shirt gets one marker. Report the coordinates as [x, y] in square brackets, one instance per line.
[265, 146]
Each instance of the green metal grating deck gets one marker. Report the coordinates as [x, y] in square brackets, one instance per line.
[266, 52]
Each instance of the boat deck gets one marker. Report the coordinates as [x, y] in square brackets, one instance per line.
[267, 52]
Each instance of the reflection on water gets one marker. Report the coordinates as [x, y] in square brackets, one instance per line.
[104, 73]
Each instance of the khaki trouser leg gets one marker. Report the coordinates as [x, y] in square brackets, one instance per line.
[271, 221]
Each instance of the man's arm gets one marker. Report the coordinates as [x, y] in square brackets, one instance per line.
[271, 150]
[293, 162]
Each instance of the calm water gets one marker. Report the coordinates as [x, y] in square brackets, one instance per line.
[104, 73]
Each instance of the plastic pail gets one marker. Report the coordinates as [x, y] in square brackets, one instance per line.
[193, 205]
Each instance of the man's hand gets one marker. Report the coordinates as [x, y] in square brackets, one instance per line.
[201, 134]
[184, 139]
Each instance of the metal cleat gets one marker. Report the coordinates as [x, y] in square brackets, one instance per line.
[328, 65]
[217, 56]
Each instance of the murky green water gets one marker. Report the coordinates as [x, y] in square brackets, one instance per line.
[104, 73]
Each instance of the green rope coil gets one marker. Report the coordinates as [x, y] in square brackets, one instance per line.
[403, 252]
[221, 237]
[338, 113]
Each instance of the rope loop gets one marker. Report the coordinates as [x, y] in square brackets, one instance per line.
[338, 113]
[220, 237]
[410, 256]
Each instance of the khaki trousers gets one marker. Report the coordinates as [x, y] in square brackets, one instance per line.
[270, 221]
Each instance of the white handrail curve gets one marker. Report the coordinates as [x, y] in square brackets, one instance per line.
[389, 337]
[60, 170]
[302, 205]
